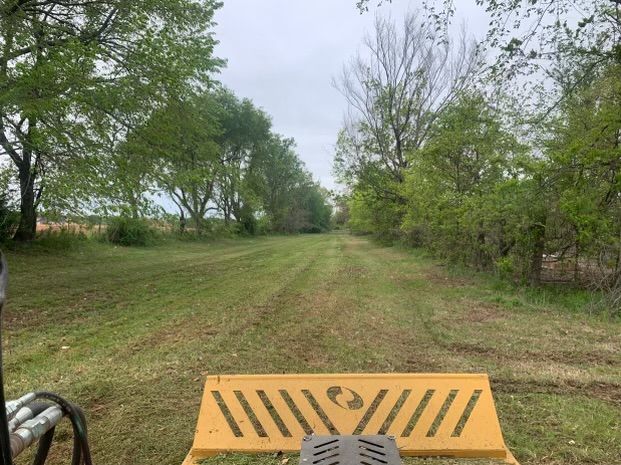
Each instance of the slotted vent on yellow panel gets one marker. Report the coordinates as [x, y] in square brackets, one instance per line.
[429, 415]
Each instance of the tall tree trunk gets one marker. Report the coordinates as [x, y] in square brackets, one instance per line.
[198, 224]
[26, 231]
[538, 232]
[181, 221]
[133, 205]
[577, 262]
[481, 265]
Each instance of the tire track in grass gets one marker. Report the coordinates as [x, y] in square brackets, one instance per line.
[124, 323]
[373, 333]
[160, 370]
[216, 356]
[66, 289]
[251, 338]
[330, 327]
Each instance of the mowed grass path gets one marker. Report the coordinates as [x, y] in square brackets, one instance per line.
[129, 334]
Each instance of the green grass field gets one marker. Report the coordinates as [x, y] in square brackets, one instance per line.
[129, 334]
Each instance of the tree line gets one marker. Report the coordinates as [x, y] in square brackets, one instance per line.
[502, 155]
[110, 107]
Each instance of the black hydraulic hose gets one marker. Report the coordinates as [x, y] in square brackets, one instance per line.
[76, 456]
[76, 416]
[37, 408]
[5, 444]
[76, 449]
[44, 447]
[80, 441]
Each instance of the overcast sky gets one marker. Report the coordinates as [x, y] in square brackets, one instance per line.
[283, 54]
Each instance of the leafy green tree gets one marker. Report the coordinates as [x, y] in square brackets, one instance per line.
[215, 153]
[73, 73]
[245, 133]
[184, 153]
[279, 173]
[289, 197]
[468, 155]
[396, 91]
[8, 216]
[340, 216]
[547, 190]
[584, 156]
[376, 193]
[396, 95]
[315, 201]
[128, 173]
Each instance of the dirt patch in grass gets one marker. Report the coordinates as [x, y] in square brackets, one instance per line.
[354, 271]
[577, 358]
[171, 333]
[509, 355]
[608, 392]
[439, 276]
[479, 312]
[419, 363]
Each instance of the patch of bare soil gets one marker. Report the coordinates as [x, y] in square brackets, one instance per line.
[479, 312]
[608, 392]
[169, 333]
[417, 362]
[565, 357]
[440, 277]
[354, 271]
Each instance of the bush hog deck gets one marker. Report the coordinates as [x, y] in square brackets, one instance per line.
[350, 419]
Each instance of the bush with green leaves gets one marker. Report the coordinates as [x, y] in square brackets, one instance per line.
[9, 219]
[130, 232]
[60, 239]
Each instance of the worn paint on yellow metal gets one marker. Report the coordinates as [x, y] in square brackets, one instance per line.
[451, 415]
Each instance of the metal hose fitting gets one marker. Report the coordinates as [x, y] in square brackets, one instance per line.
[34, 429]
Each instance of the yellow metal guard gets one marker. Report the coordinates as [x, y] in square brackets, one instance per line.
[450, 415]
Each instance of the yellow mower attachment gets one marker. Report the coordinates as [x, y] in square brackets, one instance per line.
[444, 415]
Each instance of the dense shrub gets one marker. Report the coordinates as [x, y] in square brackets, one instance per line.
[8, 220]
[312, 229]
[60, 239]
[130, 232]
